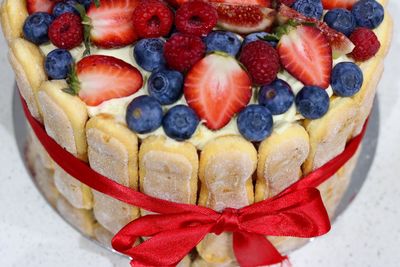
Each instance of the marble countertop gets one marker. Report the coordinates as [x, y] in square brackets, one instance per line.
[367, 234]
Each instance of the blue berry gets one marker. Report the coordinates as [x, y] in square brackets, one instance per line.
[85, 3]
[347, 79]
[144, 114]
[309, 8]
[312, 102]
[166, 86]
[255, 123]
[149, 53]
[277, 97]
[180, 122]
[223, 41]
[36, 27]
[341, 20]
[257, 36]
[58, 64]
[65, 7]
[368, 13]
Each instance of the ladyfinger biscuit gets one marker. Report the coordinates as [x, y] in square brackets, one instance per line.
[13, 15]
[41, 152]
[280, 158]
[113, 152]
[199, 262]
[102, 235]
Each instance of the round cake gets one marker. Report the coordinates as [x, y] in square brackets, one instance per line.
[219, 103]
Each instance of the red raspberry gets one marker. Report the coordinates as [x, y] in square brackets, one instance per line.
[182, 51]
[261, 61]
[196, 18]
[152, 19]
[366, 42]
[66, 31]
[287, 2]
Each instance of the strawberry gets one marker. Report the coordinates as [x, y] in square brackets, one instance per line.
[217, 88]
[100, 78]
[331, 4]
[40, 6]
[264, 3]
[306, 54]
[112, 23]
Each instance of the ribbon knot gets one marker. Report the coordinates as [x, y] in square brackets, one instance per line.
[227, 222]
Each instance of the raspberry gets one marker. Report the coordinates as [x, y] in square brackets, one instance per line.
[66, 31]
[182, 51]
[152, 19]
[261, 61]
[196, 18]
[366, 42]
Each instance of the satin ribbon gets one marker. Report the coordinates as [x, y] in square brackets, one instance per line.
[177, 228]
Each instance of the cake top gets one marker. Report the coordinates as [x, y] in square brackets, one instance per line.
[194, 70]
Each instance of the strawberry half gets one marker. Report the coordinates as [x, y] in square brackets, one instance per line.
[306, 54]
[217, 88]
[331, 4]
[40, 6]
[100, 78]
[112, 23]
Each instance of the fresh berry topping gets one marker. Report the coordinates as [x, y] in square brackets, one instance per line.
[259, 36]
[85, 3]
[112, 23]
[261, 61]
[34, 6]
[223, 41]
[217, 88]
[368, 13]
[306, 54]
[366, 42]
[144, 115]
[166, 86]
[182, 51]
[309, 8]
[65, 7]
[152, 19]
[102, 78]
[278, 97]
[66, 31]
[197, 18]
[255, 123]
[180, 122]
[36, 27]
[331, 4]
[347, 79]
[312, 102]
[58, 64]
[287, 2]
[264, 3]
[149, 54]
[341, 20]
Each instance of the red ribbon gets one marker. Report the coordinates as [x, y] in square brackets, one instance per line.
[177, 228]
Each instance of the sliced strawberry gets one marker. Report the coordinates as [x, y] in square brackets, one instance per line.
[331, 4]
[306, 54]
[217, 88]
[264, 3]
[341, 45]
[40, 5]
[112, 23]
[102, 78]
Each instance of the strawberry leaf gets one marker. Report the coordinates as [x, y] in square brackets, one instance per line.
[87, 27]
[73, 82]
[97, 3]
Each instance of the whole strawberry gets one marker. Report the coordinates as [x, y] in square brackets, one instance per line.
[66, 31]
[366, 44]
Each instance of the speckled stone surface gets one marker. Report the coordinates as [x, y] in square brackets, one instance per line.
[368, 234]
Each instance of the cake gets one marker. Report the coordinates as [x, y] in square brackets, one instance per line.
[221, 103]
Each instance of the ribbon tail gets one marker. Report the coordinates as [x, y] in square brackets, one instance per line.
[252, 250]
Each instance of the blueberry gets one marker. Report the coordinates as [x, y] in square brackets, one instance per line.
[149, 53]
[65, 7]
[368, 13]
[277, 97]
[223, 41]
[257, 36]
[309, 8]
[85, 3]
[36, 27]
[144, 114]
[347, 79]
[58, 64]
[180, 122]
[255, 123]
[341, 20]
[312, 102]
[166, 86]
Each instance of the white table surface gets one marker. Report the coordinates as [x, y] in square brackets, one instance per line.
[368, 234]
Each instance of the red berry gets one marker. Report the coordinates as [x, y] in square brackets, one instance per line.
[366, 42]
[152, 19]
[182, 51]
[196, 18]
[66, 31]
[287, 2]
[261, 61]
